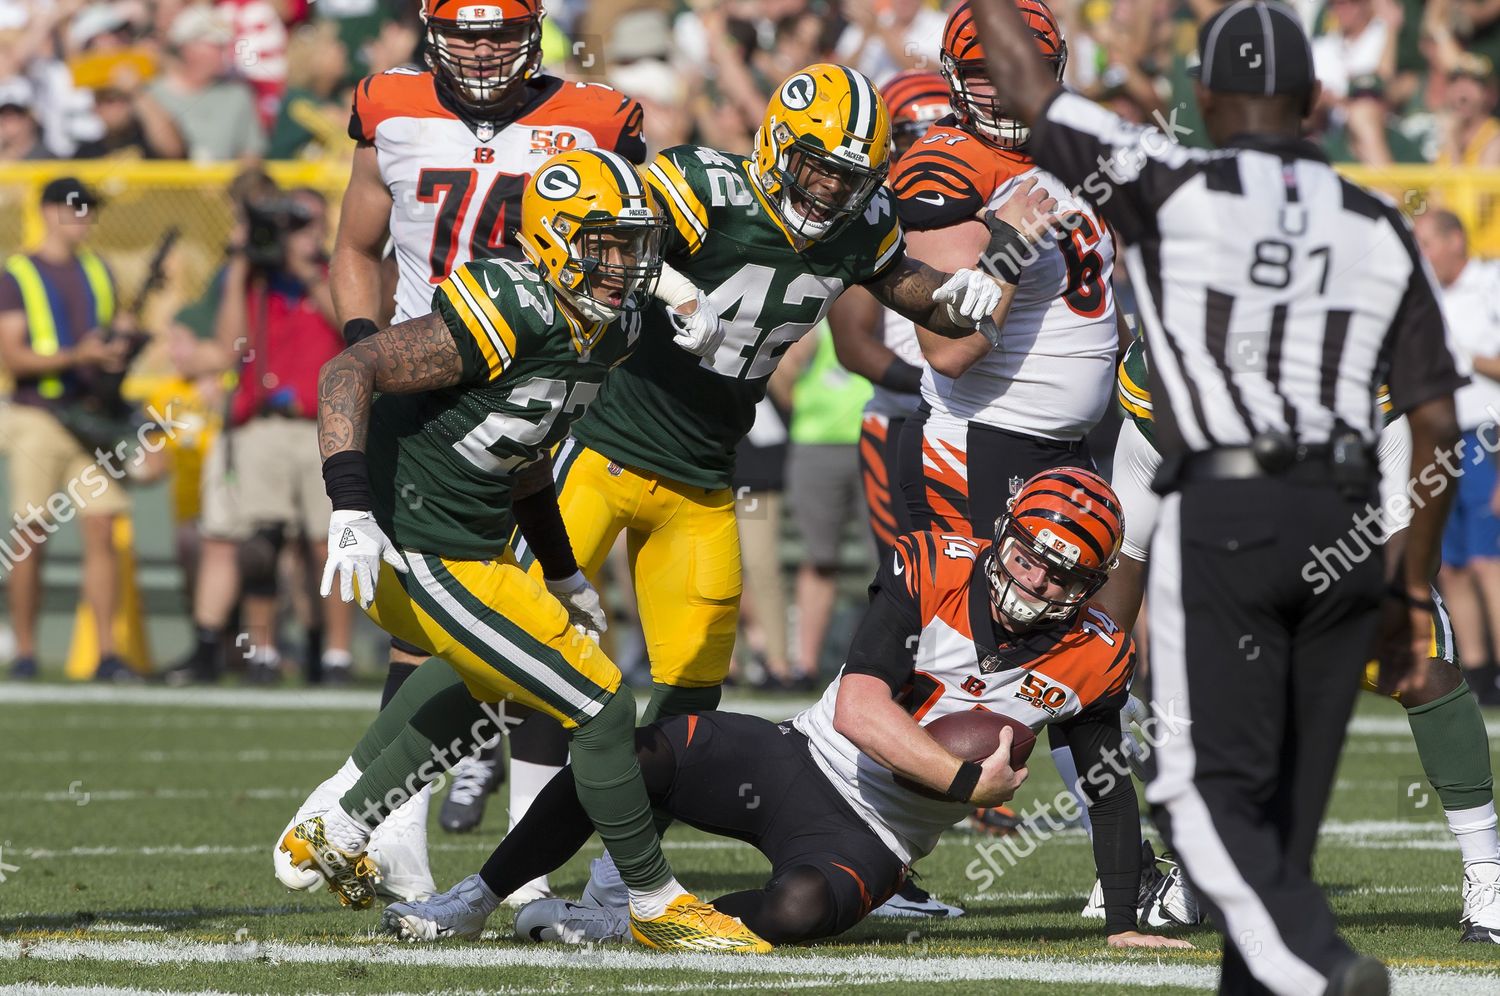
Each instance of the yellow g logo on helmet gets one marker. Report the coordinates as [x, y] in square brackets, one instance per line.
[593, 229]
[823, 149]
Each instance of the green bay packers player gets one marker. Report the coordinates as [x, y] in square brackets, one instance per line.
[772, 240]
[472, 397]
[1446, 723]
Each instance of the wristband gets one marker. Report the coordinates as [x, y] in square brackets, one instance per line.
[902, 377]
[356, 329]
[962, 789]
[346, 478]
[1401, 595]
[1004, 256]
[673, 289]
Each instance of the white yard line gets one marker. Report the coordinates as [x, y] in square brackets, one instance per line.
[289, 700]
[855, 969]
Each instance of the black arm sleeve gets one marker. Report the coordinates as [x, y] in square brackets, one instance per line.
[1094, 738]
[541, 524]
[885, 642]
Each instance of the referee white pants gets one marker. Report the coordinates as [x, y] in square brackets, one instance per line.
[1265, 670]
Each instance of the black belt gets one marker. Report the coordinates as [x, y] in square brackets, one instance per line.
[1353, 468]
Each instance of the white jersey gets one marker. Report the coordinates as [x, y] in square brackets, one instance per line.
[1050, 676]
[456, 189]
[900, 337]
[1052, 373]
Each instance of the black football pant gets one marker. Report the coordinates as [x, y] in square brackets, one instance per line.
[742, 777]
[960, 478]
[1256, 656]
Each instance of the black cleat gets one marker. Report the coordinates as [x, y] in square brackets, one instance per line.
[1359, 976]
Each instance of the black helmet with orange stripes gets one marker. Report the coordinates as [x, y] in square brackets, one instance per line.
[916, 98]
[980, 109]
[1054, 546]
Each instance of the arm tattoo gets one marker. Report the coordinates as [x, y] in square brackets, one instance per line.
[907, 290]
[418, 355]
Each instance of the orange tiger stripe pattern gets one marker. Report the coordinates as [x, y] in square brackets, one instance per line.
[1077, 505]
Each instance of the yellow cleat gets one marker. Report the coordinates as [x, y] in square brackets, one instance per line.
[689, 924]
[351, 877]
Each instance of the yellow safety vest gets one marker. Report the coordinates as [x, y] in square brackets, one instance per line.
[41, 322]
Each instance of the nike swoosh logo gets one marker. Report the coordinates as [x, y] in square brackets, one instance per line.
[489, 287]
[896, 557]
[936, 200]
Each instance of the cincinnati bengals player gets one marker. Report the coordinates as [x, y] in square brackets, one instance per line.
[880, 345]
[993, 415]
[443, 158]
[1000, 626]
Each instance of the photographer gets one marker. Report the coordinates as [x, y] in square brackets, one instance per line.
[57, 306]
[262, 482]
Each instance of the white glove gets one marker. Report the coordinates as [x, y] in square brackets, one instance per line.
[356, 546]
[582, 602]
[970, 296]
[701, 332]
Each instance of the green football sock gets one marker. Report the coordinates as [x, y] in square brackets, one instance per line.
[440, 722]
[433, 676]
[1454, 748]
[612, 792]
[670, 700]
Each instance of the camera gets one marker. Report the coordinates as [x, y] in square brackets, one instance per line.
[268, 222]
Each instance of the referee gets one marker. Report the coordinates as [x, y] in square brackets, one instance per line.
[1273, 294]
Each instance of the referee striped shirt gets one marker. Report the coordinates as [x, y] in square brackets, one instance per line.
[1273, 292]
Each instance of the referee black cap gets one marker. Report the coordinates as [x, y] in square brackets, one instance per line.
[1255, 47]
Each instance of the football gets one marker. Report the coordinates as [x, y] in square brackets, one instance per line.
[973, 736]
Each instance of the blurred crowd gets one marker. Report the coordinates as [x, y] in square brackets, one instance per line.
[1404, 81]
[253, 80]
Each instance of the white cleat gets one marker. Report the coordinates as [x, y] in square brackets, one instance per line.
[458, 914]
[567, 922]
[913, 901]
[1094, 908]
[1481, 917]
[323, 798]
[399, 849]
[536, 889]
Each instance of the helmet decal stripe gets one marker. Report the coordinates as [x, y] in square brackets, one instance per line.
[861, 110]
[626, 179]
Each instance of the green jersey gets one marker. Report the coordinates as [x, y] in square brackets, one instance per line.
[1134, 394]
[681, 416]
[442, 461]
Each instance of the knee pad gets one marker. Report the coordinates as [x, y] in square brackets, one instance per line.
[258, 557]
[801, 905]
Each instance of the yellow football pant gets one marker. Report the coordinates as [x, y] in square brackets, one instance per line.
[1441, 648]
[684, 550]
[505, 635]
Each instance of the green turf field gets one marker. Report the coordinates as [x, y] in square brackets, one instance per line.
[135, 828]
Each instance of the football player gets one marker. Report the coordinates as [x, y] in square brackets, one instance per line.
[472, 398]
[993, 414]
[772, 240]
[1446, 723]
[851, 791]
[443, 156]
